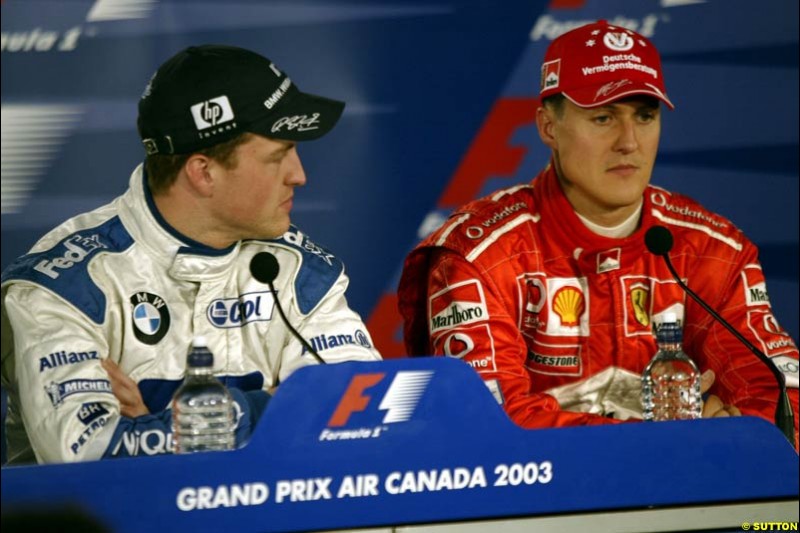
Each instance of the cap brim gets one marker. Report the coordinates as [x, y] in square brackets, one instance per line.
[588, 96]
[300, 117]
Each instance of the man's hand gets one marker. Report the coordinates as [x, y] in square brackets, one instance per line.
[126, 391]
[713, 406]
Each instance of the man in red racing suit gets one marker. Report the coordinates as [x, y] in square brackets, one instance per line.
[548, 291]
[557, 320]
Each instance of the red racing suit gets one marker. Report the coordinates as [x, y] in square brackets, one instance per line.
[558, 320]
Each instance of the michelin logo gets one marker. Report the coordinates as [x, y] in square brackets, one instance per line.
[59, 391]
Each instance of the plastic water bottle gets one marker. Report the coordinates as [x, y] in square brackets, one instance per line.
[671, 382]
[203, 412]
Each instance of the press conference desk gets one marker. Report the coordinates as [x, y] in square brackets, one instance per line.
[421, 445]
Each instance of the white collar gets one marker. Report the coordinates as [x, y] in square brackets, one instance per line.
[624, 229]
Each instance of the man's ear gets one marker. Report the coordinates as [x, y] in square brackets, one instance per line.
[546, 123]
[199, 175]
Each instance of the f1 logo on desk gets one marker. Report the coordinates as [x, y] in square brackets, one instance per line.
[399, 402]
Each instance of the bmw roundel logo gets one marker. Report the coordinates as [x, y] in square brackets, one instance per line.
[150, 317]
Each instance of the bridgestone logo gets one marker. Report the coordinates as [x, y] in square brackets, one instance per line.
[456, 316]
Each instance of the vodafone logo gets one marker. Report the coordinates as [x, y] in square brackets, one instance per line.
[399, 402]
[458, 345]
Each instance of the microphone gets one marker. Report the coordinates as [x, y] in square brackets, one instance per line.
[658, 240]
[264, 267]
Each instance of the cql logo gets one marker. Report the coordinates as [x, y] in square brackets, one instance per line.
[237, 312]
[399, 402]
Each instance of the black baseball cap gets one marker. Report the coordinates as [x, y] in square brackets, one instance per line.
[206, 95]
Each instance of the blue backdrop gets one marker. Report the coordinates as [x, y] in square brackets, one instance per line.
[440, 110]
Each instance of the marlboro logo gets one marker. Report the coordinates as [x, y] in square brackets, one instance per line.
[459, 304]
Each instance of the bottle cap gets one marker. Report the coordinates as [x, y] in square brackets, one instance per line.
[200, 355]
[669, 318]
[200, 341]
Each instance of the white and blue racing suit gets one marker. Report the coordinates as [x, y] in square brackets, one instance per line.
[120, 283]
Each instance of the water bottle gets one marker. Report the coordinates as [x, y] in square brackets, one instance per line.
[203, 412]
[671, 382]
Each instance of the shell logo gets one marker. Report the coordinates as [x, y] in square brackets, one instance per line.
[569, 304]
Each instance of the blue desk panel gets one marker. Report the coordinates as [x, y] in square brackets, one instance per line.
[414, 441]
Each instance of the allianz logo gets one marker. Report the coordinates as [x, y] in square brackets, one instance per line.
[237, 312]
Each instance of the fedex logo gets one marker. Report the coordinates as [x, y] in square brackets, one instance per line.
[399, 402]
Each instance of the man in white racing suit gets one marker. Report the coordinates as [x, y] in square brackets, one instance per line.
[98, 317]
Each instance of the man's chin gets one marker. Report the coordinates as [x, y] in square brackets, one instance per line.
[277, 231]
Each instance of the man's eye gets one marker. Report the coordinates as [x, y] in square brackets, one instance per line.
[647, 117]
[601, 119]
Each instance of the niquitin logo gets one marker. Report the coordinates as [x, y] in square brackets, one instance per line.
[399, 402]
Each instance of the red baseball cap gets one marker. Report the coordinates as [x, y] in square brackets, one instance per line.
[598, 63]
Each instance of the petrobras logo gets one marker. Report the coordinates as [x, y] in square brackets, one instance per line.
[77, 249]
[398, 402]
[59, 391]
[238, 312]
[459, 304]
[212, 112]
[94, 416]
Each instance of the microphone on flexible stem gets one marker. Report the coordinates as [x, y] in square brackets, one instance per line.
[658, 240]
[264, 267]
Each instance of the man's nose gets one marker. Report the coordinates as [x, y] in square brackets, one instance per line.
[627, 141]
[295, 175]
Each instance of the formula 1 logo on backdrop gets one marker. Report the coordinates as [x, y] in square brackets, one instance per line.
[54, 36]
[399, 402]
